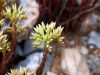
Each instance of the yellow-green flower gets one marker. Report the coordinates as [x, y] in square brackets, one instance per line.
[1, 22]
[4, 44]
[20, 71]
[20, 28]
[14, 14]
[3, 2]
[47, 34]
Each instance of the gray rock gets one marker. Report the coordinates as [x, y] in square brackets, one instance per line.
[94, 38]
[74, 61]
[32, 11]
[18, 50]
[51, 73]
[26, 49]
[32, 62]
[94, 65]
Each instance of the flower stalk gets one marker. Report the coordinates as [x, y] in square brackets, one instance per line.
[14, 14]
[45, 35]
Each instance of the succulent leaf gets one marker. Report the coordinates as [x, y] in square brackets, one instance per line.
[47, 34]
[14, 14]
[1, 22]
[20, 71]
[4, 44]
[20, 28]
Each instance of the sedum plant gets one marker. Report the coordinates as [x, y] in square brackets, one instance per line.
[45, 35]
[3, 2]
[20, 71]
[2, 6]
[20, 28]
[4, 44]
[15, 14]
[1, 22]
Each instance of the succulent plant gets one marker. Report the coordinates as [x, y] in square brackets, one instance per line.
[3, 1]
[4, 44]
[14, 14]
[46, 34]
[2, 5]
[20, 71]
[1, 22]
[19, 28]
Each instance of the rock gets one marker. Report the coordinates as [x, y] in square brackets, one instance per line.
[33, 60]
[48, 63]
[79, 2]
[74, 61]
[94, 38]
[91, 23]
[18, 50]
[51, 73]
[32, 11]
[28, 47]
[24, 48]
[94, 64]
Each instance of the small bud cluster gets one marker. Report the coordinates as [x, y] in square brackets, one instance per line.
[20, 28]
[3, 2]
[20, 71]
[4, 44]
[2, 5]
[15, 14]
[47, 34]
[1, 22]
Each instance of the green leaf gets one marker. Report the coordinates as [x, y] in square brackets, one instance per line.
[47, 34]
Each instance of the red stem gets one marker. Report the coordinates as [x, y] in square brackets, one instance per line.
[8, 56]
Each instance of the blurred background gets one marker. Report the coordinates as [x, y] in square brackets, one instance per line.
[80, 53]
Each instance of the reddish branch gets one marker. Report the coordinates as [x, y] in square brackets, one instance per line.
[78, 15]
[40, 69]
[65, 11]
[8, 55]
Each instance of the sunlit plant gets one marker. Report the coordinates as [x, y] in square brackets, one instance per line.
[1, 22]
[2, 6]
[14, 14]
[7, 46]
[21, 71]
[45, 35]
[4, 44]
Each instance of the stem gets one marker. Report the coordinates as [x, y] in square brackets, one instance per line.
[2, 65]
[61, 11]
[40, 69]
[13, 42]
[7, 56]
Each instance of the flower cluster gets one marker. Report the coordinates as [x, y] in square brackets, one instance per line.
[3, 2]
[15, 14]
[1, 22]
[21, 71]
[20, 28]
[47, 34]
[4, 44]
